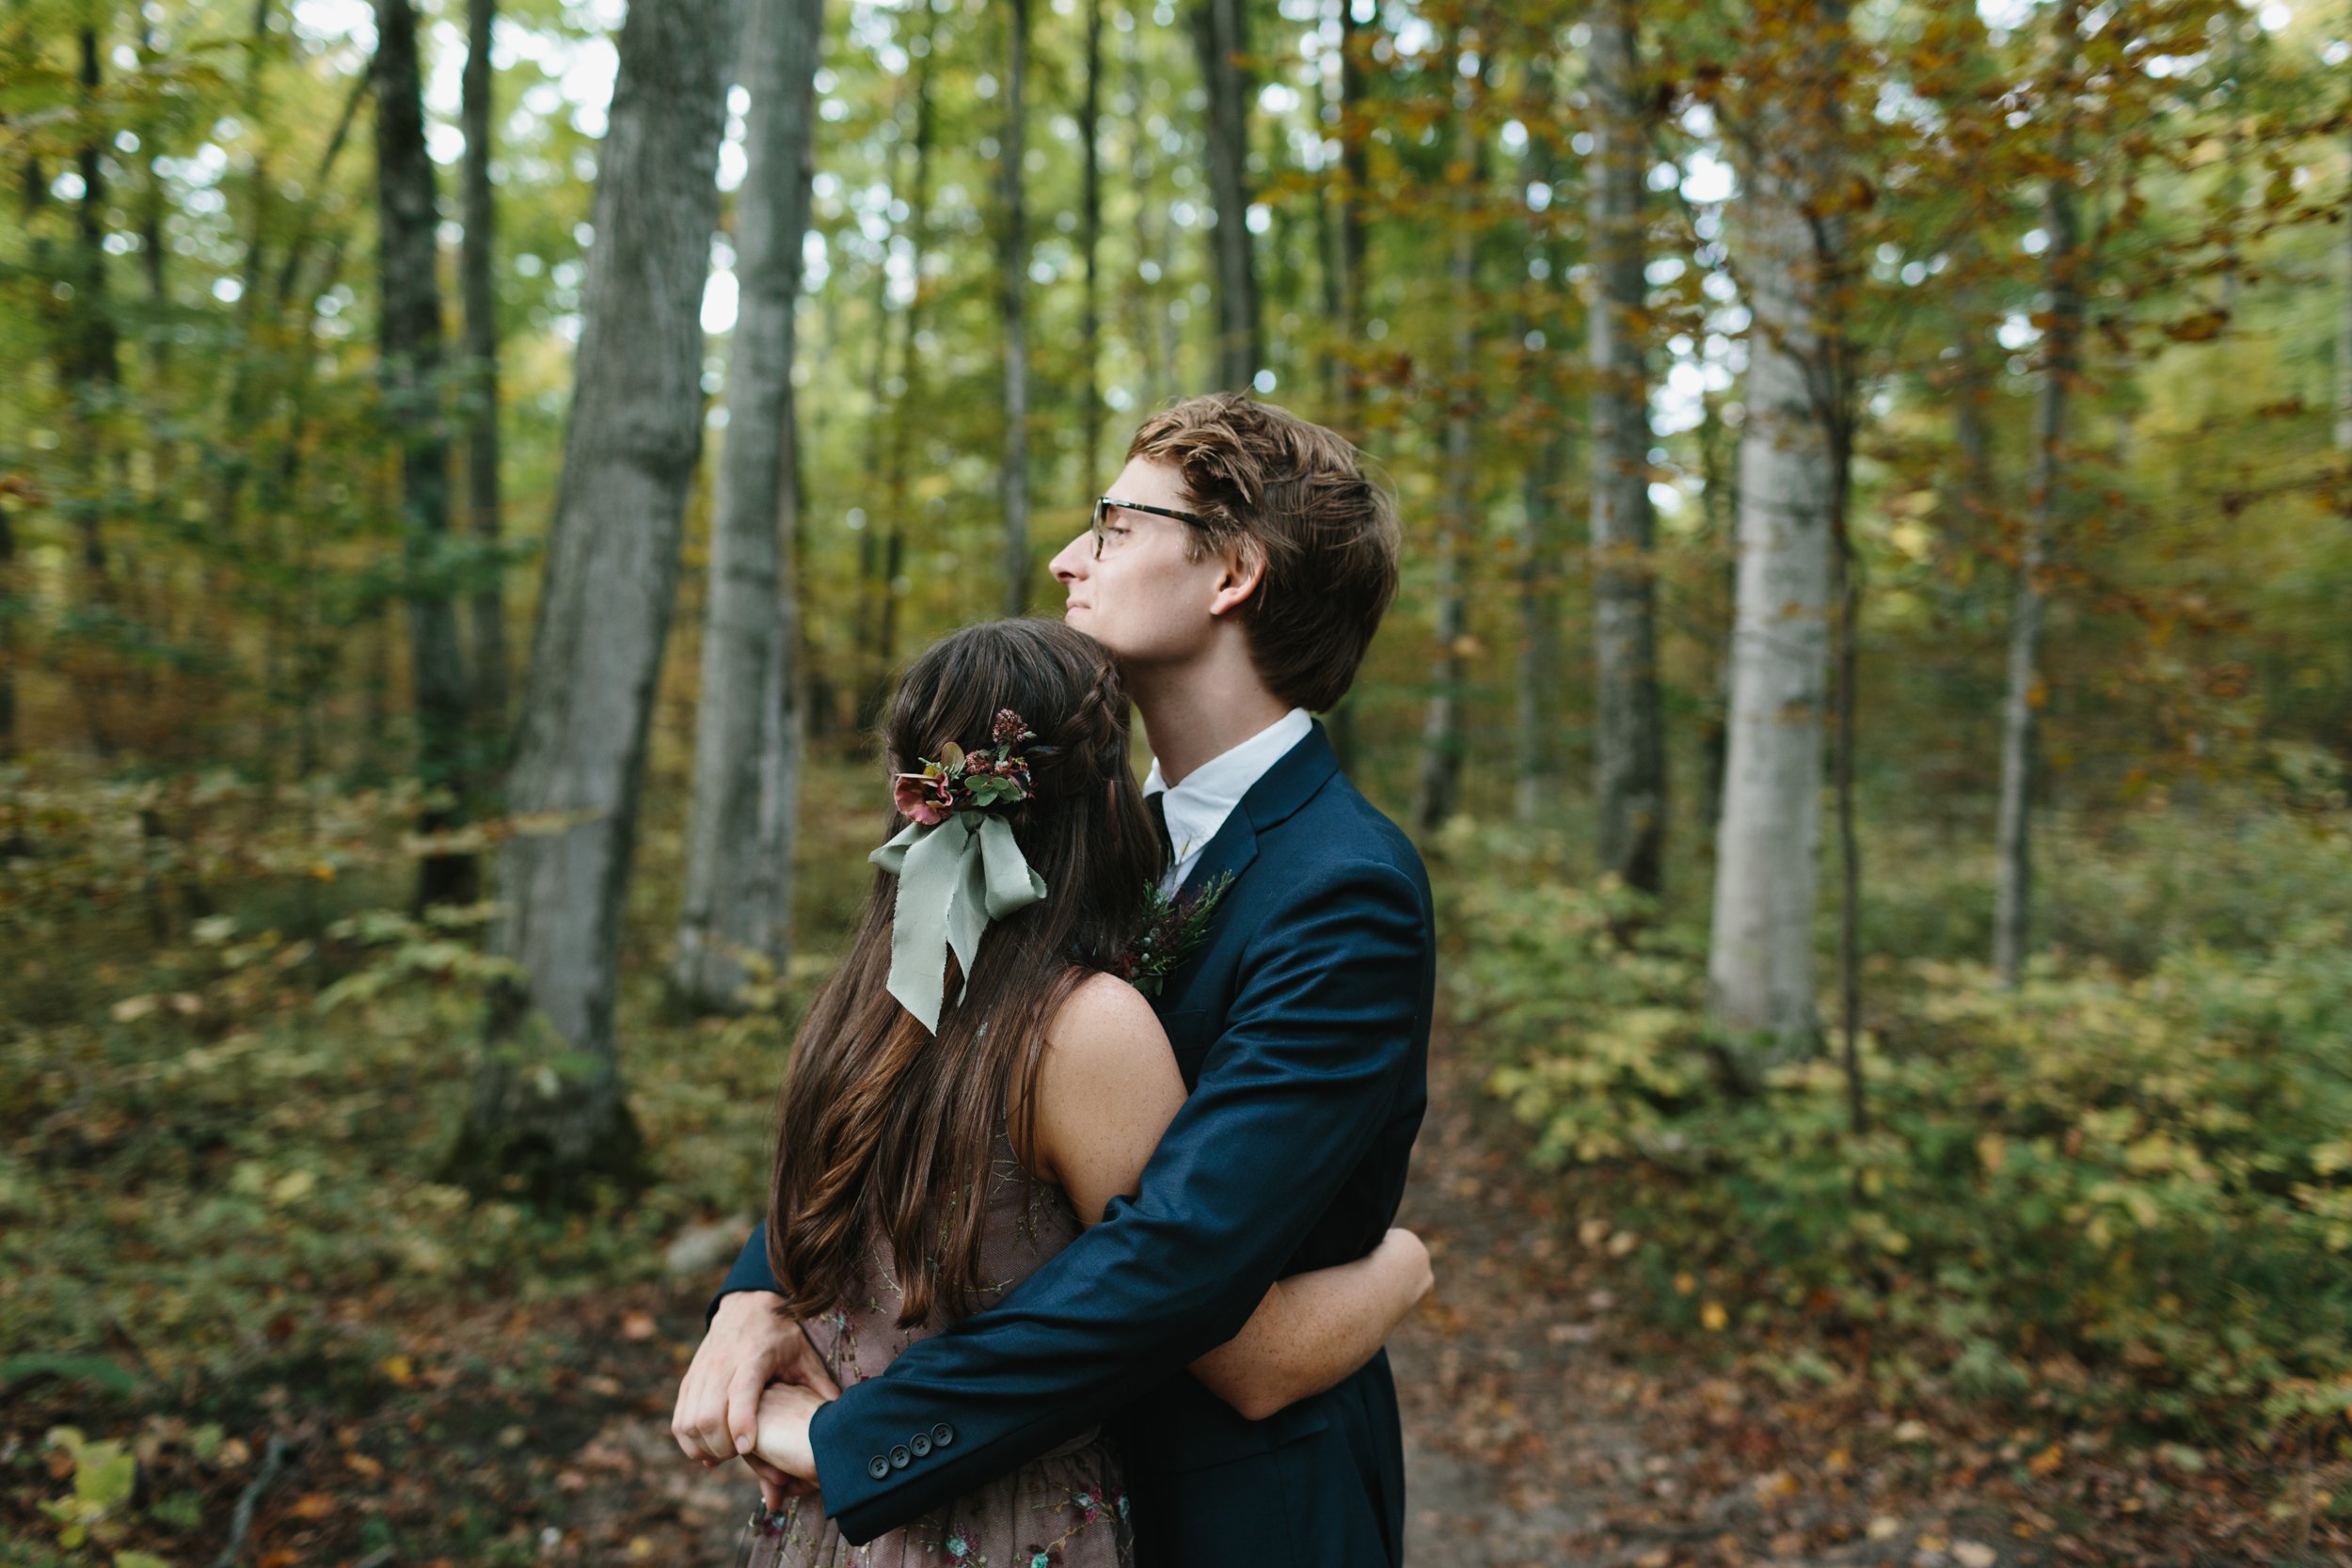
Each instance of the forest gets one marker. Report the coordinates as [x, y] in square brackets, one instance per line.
[1872, 684]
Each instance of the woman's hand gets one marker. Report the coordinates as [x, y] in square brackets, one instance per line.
[783, 1443]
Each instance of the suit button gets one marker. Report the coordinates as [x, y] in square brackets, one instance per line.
[900, 1458]
[921, 1445]
[878, 1466]
[942, 1435]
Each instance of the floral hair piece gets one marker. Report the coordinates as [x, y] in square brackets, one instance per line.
[958, 866]
[968, 780]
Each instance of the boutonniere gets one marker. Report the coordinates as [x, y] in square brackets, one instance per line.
[1171, 928]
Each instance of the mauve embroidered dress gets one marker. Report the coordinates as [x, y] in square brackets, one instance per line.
[1066, 1509]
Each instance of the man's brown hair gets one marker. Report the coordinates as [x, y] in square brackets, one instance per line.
[1297, 495]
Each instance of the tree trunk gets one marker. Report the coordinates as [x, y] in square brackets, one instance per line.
[2012, 904]
[1535, 794]
[410, 335]
[1792, 452]
[1217, 29]
[1629, 753]
[1012, 267]
[1150, 327]
[1437, 795]
[1090, 244]
[747, 731]
[874, 688]
[482, 503]
[93, 378]
[10, 607]
[2343, 335]
[549, 1109]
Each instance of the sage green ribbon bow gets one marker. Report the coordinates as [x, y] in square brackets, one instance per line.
[954, 878]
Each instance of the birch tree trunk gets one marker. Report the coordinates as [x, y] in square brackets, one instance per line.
[413, 363]
[548, 1107]
[1437, 795]
[2013, 907]
[1012, 282]
[491, 678]
[1218, 28]
[1628, 754]
[1791, 454]
[748, 728]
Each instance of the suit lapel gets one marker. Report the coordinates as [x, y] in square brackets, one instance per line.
[1284, 789]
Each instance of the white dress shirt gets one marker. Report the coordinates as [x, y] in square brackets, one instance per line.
[1198, 807]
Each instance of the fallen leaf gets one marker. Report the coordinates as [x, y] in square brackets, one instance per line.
[1974, 1553]
[638, 1326]
[311, 1505]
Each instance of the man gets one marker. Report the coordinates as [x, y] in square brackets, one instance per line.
[1238, 571]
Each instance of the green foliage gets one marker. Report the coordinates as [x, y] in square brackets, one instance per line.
[2124, 1191]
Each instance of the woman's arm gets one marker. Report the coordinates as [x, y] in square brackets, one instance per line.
[1315, 1328]
[1107, 1087]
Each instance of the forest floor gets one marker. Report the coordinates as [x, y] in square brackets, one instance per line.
[1547, 1425]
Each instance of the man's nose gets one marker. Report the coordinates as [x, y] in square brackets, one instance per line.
[1075, 557]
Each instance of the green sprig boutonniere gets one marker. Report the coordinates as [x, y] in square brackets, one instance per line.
[1171, 928]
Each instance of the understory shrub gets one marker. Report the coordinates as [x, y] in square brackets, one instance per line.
[2128, 1189]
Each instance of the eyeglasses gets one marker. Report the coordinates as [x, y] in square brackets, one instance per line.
[1102, 505]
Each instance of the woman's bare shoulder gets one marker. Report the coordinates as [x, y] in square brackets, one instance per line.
[1102, 1022]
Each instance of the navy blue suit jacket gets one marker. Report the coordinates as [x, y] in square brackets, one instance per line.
[1301, 1025]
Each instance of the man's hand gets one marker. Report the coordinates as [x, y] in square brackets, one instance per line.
[749, 1347]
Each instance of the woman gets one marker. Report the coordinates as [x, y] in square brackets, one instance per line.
[972, 1086]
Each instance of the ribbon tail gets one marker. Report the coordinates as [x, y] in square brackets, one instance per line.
[1012, 885]
[929, 866]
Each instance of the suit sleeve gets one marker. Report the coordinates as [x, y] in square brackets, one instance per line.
[1325, 1023]
[751, 1272]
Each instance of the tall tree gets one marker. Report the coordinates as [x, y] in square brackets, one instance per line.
[91, 359]
[1628, 752]
[410, 339]
[1437, 795]
[904, 417]
[476, 281]
[747, 731]
[1012, 279]
[548, 1104]
[1546, 474]
[1151, 326]
[2062, 283]
[2343, 328]
[1090, 246]
[1346, 185]
[1218, 30]
[12, 605]
[1792, 475]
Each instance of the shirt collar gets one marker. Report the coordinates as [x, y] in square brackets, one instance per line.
[1198, 807]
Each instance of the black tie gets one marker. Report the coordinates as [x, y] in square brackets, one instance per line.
[1157, 803]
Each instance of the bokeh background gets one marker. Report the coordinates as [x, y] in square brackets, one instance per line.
[1872, 681]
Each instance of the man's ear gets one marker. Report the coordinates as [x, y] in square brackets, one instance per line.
[1244, 568]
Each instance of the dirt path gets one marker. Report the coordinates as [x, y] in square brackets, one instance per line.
[1547, 1425]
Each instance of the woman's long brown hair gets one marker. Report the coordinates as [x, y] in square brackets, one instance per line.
[884, 1128]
